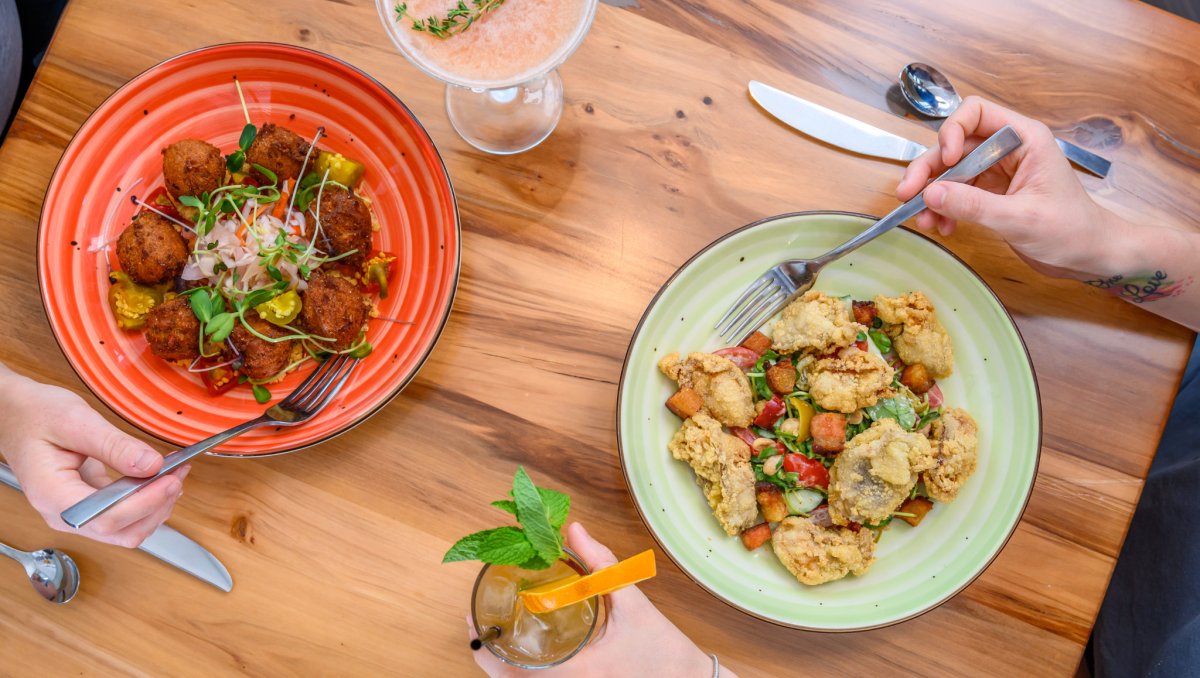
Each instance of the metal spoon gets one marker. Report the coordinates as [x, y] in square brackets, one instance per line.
[930, 93]
[53, 574]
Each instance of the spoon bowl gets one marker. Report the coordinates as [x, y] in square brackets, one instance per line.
[52, 573]
[928, 90]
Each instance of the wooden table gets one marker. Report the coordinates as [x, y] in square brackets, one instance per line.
[336, 551]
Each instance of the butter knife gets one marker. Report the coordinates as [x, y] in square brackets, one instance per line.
[168, 545]
[845, 132]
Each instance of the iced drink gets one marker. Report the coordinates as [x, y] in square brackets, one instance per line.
[528, 639]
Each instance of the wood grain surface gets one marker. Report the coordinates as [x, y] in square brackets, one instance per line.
[335, 551]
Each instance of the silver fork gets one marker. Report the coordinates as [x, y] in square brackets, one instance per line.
[776, 288]
[313, 394]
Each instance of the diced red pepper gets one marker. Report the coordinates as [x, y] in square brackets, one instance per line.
[164, 206]
[861, 344]
[742, 357]
[746, 435]
[772, 411]
[812, 472]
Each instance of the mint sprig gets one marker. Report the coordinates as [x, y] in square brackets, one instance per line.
[536, 545]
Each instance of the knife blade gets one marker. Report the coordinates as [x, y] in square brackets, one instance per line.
[168, 545]
[833, 127]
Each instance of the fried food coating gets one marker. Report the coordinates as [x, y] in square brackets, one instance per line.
[955, 447]
[850, 380]
[279, 149]
[723, 470]
[722, 385]
[262, 359]
[150, 250]
[916, 332]
[816, 555]
[334, 308]
[814, 322]
[874, 474]
[192, 167]
[345, 224]
[173, 331]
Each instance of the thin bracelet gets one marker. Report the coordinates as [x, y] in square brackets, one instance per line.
[716, 667]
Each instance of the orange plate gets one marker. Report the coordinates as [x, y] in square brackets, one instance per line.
[193, 95]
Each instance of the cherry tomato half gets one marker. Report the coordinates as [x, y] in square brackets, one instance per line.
[744, 434]
[812, 472]
[740, 356]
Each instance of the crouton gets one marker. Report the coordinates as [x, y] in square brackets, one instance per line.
[916, 378]
[756, 536]
[864, 312]
[757, 342]
[685, 403]
[781, 377]
[770, 501]
[918, 507]
[828, 432]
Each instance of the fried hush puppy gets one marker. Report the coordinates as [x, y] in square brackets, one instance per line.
[955, 444]
[916, 332]
[816, 555]
[814, 322]
[345, 223]
[173, 331]
[334, 308]
[192, 167]
[279, 149]
[723, 470]
[150, 250]
[261, 359]
[875, 473]
[850, 380]
[722, 385]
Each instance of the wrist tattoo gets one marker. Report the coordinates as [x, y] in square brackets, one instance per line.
[1142, 287]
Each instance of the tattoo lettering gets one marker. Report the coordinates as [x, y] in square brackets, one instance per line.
[1142, 287]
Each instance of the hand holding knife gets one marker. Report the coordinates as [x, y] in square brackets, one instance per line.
[168, 545]
[854, 135]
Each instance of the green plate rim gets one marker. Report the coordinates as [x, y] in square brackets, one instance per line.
[642, 515]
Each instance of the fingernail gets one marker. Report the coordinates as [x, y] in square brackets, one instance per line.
[183, 473]
[145, 460]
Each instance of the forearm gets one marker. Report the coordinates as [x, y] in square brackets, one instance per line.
[1150, 266]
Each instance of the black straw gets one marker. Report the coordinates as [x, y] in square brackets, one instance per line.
[491, 633]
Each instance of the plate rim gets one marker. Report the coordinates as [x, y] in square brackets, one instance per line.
[637, 504]
[309, 52]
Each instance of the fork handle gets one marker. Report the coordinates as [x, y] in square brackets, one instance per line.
[988, 153]
[109, 496]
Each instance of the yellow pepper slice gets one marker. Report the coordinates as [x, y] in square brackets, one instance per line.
[341, 169]
[131, 302]
[281, 310]
[804, 413]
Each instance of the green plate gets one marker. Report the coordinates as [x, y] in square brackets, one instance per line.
[916, 568]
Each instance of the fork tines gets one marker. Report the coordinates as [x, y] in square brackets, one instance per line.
[762, 299]
[316, 391]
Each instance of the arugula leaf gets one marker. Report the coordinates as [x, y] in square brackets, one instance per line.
[898, 408]
[535, 518]
[927, 418]
[506, 505]
[882, 341]
[498, 546]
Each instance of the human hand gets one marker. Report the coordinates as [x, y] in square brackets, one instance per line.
[58, 447]
[1031, 198]
[637, 639]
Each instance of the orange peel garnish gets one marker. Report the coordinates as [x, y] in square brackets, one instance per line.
[576, 589]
